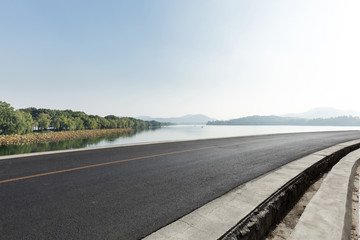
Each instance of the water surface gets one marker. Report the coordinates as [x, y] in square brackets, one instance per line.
[169, 133]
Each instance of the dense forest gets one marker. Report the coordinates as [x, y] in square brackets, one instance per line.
[33, 119]
[275, 120]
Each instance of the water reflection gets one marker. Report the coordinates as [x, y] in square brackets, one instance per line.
[63, 145]
[169, 133]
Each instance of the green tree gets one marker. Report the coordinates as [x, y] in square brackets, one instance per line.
[71, 124]
[56, 122]
[7, 119]
[104, 123]
[24, 122]
[43, 121]
[114, 122]
[79, 124]
[64, 122]
[93, 123]
[70, 120]
[29, 122]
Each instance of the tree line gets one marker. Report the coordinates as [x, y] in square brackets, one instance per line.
[32, 119]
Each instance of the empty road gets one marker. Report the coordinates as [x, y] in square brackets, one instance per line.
[129, 192]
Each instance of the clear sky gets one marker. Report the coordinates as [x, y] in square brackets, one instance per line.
[225, 59]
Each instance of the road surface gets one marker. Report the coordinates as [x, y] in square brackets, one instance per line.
[129, 192]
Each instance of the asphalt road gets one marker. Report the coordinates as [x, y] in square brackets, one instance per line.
[129, 192]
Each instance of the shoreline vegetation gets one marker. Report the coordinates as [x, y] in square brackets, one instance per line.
[49, 136]
[33, 125]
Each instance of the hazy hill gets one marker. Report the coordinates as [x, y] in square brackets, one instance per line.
[187, 119]
[276, 120]
[323, 112]
[261, 120]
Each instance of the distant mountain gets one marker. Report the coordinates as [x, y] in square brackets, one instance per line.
[324, 112]
[261, 120]
[187, 119]
[276, 120]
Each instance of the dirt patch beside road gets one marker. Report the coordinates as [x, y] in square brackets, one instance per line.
[283, 230]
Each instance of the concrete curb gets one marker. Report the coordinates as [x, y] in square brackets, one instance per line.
[328, 214]
[258, 204]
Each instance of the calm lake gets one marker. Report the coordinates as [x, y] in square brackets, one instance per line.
[170, 133]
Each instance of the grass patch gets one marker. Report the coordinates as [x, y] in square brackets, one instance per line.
[56, 136]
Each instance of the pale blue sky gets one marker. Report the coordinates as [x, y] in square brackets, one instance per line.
[225, 59]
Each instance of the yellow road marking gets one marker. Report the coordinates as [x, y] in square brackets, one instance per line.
[113, 162]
